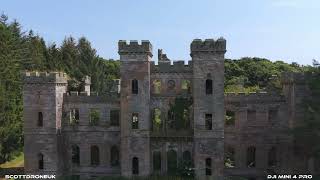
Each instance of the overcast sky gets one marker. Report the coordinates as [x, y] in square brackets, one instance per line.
[287, 30]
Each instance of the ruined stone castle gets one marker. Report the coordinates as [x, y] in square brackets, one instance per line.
[134, 130]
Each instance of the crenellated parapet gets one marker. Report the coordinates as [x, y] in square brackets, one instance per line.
[44, 77]
[145, 47]
[208, 46]
[93, 98]
[176, 67]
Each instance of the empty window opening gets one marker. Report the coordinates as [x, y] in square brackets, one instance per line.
[134, 86]
[75, 154]
[251, 157]
[172, 162]
[209, 86]
[156, 161]
[135, 120]
[135, 165]
[94, 117]
[186, 156]
[40, 119]
[230, 118]
[272, 157]
[229, 161]
[74, 116]
[171, 85]
[208, 123]
[114, 117]
[95, 156]
[186, 86]
[115, 156]
[156, 122]
[251, 116]
[40, 161]
[156, 86]
[208, 167]
[272, 117]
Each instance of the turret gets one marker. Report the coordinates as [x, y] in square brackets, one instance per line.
[208, 93]
[42, 112]
[135, 99]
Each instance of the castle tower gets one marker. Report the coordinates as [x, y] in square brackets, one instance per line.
[42, 111]
[135, 97]
[208, 94]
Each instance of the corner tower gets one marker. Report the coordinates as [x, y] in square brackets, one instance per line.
[135, 98]
[208, 94]
[42, 111]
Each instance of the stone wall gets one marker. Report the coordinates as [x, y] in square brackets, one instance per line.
[262, 119]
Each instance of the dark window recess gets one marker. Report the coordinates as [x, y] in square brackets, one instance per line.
[135, 120]
[75, 155]
[40, 119]
[95, 157]
[251, 115]
[135, 165]
[273, 114]
[156, 161]
[251, 157]
[272, 157]
[230, 118]
[208, 123]
[115, 158]
[134, 86]
[114, 117]
[172, 162]
[40, 161]
[209, 86]
[186, 157]
[208, 167]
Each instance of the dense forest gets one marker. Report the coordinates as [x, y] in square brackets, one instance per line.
[20, 51]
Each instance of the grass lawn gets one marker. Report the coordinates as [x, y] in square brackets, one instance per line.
[18, 161]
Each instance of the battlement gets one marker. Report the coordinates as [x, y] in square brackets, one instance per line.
[176, 67]
[44, 77]
[208, 45]
[134, 47]
[253, 97]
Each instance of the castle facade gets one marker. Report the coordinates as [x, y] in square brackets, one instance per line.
[162, 119]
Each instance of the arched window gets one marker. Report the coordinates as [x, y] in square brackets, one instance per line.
[114, 156]
[186, 156]
[251, 157]
[208, 167]
[134, 86]
[75, 154]
[229, 160]
[172, 162]
[156, 86]
[156, 122]
[95, 157]
[209, 86]
[156, 161]
[40, 119]
[272, 157]
[40, 161]
[135, 165]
